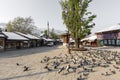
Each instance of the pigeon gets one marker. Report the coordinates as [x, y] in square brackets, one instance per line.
[26, 68]
[68, 67]
[61, 69]
[56, 64]
[116, 67]
[84, 68]
[41, 61]
[94, 60]
[74, 61]
[55, 57]
[118, 62]
[85, 73]
[46, 59]
[61, 60]
[46, 67]
[74, 69]
[108, 62]
[104, 65]
[17, 64]
[107, 74]
[79, 66]
[113, 71]
[66, 55]
[80, 78]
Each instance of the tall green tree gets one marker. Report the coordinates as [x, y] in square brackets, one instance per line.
[53, 34]
[45, 33]
[20, 24]
[9, 27]
[77, 18]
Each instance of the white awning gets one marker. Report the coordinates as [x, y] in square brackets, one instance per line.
[90, 39]
[84, 39]
[48, 39]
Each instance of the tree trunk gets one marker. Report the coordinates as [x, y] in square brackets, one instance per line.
[68, 43]
[77, 42]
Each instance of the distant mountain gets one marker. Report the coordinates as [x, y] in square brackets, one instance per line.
[3, 26]
[38, 31]
[59, 31]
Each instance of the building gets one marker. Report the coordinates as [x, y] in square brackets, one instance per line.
[10, 40]
[109, 36]
[2, 41]
[90, 41]
[17, 40]
[33, 40]
[67, 39]
[64, 38]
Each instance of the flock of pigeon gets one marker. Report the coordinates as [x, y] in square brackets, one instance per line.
[87, 61]
[81, 63]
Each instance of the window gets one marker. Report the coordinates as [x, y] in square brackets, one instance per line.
[105, 41]
[109, 42]
[118, 42]
[113, 42]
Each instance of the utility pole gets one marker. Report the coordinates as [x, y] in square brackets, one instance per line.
[48, 29]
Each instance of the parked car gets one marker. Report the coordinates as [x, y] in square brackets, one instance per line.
[50, 43]
[1, 48]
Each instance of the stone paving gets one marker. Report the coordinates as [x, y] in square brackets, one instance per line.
[32, 58]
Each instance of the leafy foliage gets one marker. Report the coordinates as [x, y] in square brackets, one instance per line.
[20, 24]
[53, 34]
[45, 33]
[77, 19]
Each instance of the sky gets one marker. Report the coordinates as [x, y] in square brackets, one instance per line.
[42, 11]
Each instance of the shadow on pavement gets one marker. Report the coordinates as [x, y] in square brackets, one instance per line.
[23, 52]
[16, 77]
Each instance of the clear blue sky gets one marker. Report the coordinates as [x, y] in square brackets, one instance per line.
[41, 11]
